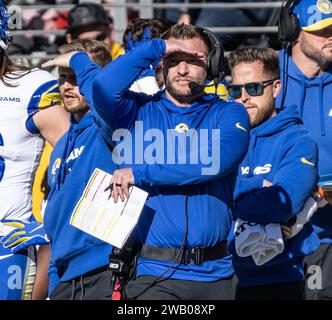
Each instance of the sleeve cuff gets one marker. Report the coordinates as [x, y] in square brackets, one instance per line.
[245, 185]
[79, 59]
[138, 175]
[31, 126]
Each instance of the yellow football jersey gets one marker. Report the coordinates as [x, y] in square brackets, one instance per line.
[222, 91]
[37, 192]
[116, 51]
[20, 144]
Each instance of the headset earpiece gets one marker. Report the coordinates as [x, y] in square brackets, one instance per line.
[289, 27]
[216, 60]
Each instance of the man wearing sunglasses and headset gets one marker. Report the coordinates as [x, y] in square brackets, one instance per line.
[275, 179]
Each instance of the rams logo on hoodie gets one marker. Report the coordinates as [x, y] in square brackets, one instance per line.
[56, 166]
[181, 128]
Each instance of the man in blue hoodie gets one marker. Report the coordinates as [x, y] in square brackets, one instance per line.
[187, 217]
[275, 179]
[78, 266]
[79, 262]
[306, 70]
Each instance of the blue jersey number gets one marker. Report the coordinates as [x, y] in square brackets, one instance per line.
[2, 161]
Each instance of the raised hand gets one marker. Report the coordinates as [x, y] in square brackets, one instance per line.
[173, 46]
[62, 61]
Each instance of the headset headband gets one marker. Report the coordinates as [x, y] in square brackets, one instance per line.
[289, 26]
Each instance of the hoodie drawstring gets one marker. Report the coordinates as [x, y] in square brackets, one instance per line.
[62, 171]
[302, 97]
[321, 108]
[73, 133]
[251, 155]
[320, 104]
[300, 78]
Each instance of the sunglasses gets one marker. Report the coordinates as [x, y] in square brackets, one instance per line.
[252, 88]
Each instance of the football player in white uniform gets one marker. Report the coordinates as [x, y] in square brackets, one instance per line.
[23, 93]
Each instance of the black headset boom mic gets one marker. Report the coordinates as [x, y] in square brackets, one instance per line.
[195, 87]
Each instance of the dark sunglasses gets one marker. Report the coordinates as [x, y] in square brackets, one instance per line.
[252, 88]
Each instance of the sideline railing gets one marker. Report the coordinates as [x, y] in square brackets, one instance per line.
[145, 8]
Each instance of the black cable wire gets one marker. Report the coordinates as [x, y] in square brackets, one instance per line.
[82, 288]
[73, 285]
[185, 239]
[161, 277]
[284, 74]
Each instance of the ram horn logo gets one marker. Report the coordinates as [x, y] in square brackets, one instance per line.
[181, 128]
[56, 165]
[324, 6]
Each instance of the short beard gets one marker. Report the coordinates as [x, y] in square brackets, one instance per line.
[78, 109]
[184, 98]
[315, 54]
[261, 117]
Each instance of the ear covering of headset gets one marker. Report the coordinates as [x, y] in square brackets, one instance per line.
[215, 60]
[289, 27]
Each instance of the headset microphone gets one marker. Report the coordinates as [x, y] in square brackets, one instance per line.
[195, 88]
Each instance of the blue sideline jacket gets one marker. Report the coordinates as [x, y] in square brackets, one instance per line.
[80, 150]
[149, 119]
[313, 98]
[281, 152]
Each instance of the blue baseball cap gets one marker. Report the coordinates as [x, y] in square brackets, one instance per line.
[313, 15]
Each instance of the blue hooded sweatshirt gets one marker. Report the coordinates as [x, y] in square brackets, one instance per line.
[313, 98]
[282, 152]
[209, 197]
[75, 156]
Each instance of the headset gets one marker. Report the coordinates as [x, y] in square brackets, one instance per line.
[216, 68]
[216, 72]
[289, 26]
[288, 31]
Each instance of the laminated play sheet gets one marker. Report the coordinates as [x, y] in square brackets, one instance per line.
[98, 215]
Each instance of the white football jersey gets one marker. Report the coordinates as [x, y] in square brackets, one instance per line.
[20, 144]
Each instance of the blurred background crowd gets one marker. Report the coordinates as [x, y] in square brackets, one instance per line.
[45, 24]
